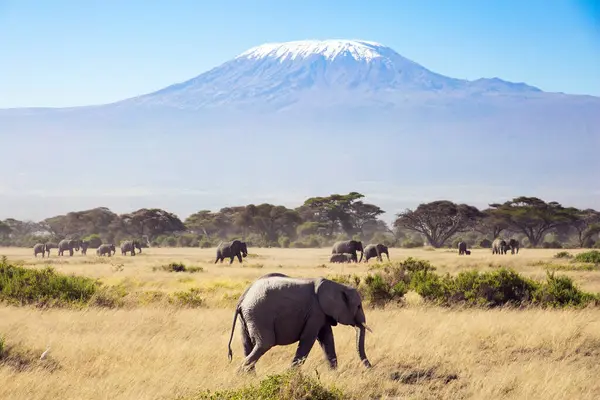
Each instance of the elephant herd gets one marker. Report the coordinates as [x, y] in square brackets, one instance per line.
[345, 251]
[73, 245]
[499, 246]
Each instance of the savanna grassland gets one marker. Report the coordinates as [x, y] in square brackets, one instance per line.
[159, 334]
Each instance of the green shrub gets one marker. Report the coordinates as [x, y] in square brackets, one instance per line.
[485, 244]
[552, 245]
[291, 385]
[592, 256]
[412, 243]
[22, 286]
[178, 267]
[190, 298]
[561, 291]
[95, 241]
[284, 242]
[563, 254]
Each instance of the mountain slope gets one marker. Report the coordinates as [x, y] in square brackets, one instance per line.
[281, 122]
[318, 73]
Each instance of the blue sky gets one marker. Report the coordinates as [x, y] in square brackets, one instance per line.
[64, 53]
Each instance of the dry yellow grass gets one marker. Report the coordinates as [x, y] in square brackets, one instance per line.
[158, 352]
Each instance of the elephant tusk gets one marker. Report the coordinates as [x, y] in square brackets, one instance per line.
[366, 327]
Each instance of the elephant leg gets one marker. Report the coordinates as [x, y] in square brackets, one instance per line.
[239, 257]
[327, 343]
[304, 347]
[257, 352]
[231, 260]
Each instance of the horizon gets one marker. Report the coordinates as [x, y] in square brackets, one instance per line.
[555, 49]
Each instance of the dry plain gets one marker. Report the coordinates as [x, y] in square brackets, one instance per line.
[157, 350]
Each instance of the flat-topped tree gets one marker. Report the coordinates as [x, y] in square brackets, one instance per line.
[534, 217]
[491, 223]
[586, 225]
[439, 220]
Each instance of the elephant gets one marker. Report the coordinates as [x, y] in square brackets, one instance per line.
[130, 246]
[84, 246]
[376, 250]
[235, 248]
[106, 249]
[68, 244]
[468, 252]
[462, 248]
[514, 246]
[278, 310]
[499, 246]
[40, 248]
[50, 246]
[348, 246]
[340, 258]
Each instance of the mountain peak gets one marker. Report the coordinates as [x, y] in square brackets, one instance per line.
[329, 49]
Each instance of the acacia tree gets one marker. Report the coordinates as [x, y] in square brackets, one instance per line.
[534, 217]
[439, 220]
[151, 222]
[340, 211]
[491, 223]
[270, 221]
[586, 225]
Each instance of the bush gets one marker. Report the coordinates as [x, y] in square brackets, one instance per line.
[284, 242]
[552, 245]
[412, 243]
[291, 385]
[178, 267]
[561, 292]
[563, 254]
[94, 240]
[592, 256]
[190, 298]
[485, 244]
[22, 286]
[188, 240]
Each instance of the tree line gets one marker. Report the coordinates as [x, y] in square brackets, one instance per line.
[320, 221]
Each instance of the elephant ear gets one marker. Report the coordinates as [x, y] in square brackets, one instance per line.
[332, 298]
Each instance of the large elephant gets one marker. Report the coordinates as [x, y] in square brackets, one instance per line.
[348, 247]
[107, 248]
[130, 246]
[513, 244]
[84, 246]
[235, 248]
[376, 250]
[277, 310]
[40, 248]
[340, 258]
[462, 248]
[68, 244]
[499, 246]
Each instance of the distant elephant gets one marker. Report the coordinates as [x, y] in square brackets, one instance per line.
[462, 248]
[40, 248]
[130, 246]
[468, 252]
[84, 246]
[348, 247]
[341, 258]
[499, 246]
[50, 246]
[68, 244]
[376, 250]
[235, 248]
[106, 249]
[514, 246]
[277, 310]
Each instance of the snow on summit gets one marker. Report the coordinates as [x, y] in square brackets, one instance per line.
[330, 49]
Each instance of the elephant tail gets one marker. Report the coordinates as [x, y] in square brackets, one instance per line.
[230, 353]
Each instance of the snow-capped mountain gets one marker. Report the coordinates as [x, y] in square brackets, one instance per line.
[284, 121]
[317, 73]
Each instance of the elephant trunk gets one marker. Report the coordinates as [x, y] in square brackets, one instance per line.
[361, 256]
[360, 345]
[387, 255]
